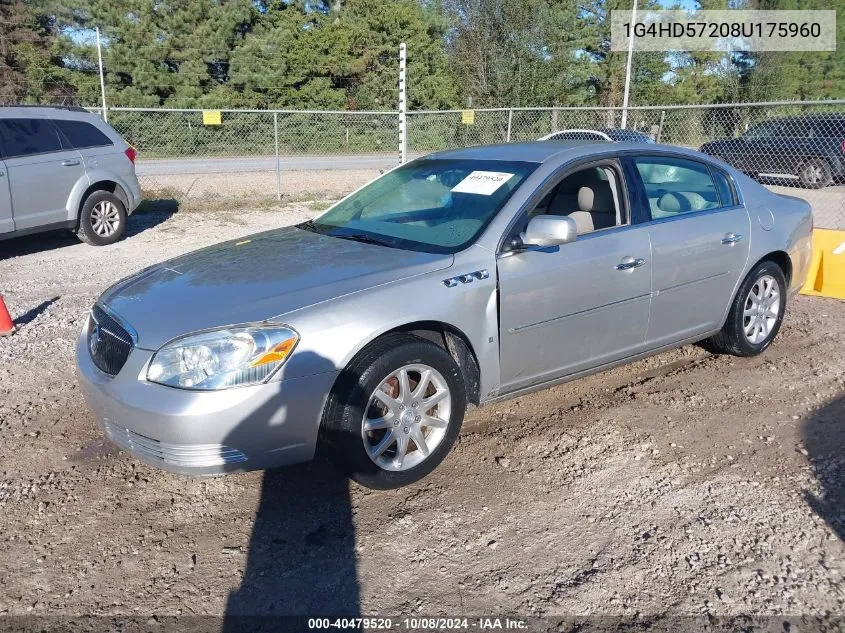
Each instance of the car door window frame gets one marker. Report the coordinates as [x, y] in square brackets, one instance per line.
[49, 123]
[611, 161]
[644, 210]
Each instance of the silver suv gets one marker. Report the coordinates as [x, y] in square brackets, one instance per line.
[64, 168]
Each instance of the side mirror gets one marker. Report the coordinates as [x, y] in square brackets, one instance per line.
[549, 230]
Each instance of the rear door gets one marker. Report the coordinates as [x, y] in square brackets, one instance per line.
[699, 244]
[7, 222]
[41, 172]
[96, 148]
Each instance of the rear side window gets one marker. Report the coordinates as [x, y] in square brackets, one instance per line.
[726, 192]
[82, 134]
[676, 185]
[25, 137]
[831, 127]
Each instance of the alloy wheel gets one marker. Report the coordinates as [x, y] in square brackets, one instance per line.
[761, 310]
[813, 174]
[105, 218]
[406, 417]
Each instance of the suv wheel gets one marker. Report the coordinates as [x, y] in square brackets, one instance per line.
[103, 219]
[815, 174]
[395, 412]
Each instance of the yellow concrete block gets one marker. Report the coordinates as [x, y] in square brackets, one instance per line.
[826, 277]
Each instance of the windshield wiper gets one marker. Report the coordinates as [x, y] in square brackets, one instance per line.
[366, 239]
[308, 225]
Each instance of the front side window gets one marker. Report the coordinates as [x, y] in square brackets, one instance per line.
[431, 205]
[81, 134]
[590, 196]
[24, 137]
[676, 185]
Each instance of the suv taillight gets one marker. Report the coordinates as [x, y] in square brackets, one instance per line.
[131, 154]
[843, 145]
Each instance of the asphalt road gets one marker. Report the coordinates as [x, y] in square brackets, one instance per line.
[167, 167]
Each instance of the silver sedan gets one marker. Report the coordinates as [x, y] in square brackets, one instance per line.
[458, 279]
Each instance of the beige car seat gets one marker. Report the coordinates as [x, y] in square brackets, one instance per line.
[596, 209]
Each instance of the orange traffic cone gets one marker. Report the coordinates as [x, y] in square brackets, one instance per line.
[7, 326]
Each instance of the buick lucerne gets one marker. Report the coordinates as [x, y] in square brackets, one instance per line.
[457, 279]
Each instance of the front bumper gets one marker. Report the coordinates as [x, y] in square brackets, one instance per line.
[203, 433]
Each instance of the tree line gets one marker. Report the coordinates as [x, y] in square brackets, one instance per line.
[342, 54]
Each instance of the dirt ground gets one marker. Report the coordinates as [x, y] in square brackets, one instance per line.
[687, 484]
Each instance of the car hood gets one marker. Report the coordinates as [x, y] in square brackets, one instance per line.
[255, 279]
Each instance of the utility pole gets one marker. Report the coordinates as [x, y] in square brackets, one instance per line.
[102, 78]
[628, 67]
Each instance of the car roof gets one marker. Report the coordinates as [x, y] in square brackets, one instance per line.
[543, 151]
[39, 111]
[813, 116]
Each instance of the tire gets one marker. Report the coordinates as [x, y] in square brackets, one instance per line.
[379, 367]
[733, 338]
[815, 173]
[107, 205]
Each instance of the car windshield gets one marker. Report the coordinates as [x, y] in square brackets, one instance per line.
[431, 205]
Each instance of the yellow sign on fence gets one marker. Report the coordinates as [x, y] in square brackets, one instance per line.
[468, 117]
[211, 117]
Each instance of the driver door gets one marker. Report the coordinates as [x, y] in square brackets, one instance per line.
[576, 306]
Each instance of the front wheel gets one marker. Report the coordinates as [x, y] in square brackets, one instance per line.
[756, 314]
[395, 412]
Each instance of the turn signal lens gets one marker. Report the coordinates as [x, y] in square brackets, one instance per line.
[276, 355]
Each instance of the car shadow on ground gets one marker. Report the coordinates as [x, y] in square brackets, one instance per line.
[151, 213]
[824, 439]
[301, 561]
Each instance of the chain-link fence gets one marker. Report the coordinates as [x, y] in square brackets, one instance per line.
[794, 148]
[252, 155]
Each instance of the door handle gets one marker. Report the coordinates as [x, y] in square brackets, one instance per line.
[70, 162]
[629, 263]
[731, 238]
[2, 173]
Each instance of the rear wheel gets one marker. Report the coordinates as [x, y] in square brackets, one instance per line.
[395, 412]
[102, 220]
[815, 174]
[756, 314]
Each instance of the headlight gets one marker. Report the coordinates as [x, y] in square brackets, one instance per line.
[233, 357]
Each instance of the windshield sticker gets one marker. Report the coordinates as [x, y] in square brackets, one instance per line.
[483, 183]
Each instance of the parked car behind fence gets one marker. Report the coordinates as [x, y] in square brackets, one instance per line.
[809, 147]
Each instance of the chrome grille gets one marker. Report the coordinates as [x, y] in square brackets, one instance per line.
[108, 342]
[180, 455]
